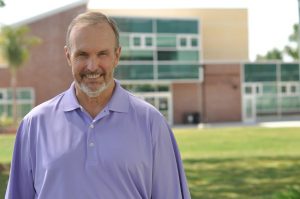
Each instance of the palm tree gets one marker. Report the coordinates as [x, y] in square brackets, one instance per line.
[15, 44]
[2, 4]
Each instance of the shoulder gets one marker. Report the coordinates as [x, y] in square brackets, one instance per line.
[138, 104]
[45, 107]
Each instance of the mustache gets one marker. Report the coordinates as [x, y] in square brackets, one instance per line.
[88, 72]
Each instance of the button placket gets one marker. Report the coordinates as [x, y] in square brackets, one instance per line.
[91, 145]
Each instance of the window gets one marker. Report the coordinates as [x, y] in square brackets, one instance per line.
[178, 55]
[137, 55]
[178, 71]
[187, 41]
[166, 41]
[283, 89]
[134, 72]
[25, 101]
[139, 25]
[141, 41]
[260, 72]
[289, 72]
[177, 26]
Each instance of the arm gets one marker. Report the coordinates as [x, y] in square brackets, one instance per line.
[20, 184]
[169, 180]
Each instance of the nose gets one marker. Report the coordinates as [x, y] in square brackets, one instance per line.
[92, 64]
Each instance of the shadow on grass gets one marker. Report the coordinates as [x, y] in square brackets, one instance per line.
[246, 178]
[4, 172]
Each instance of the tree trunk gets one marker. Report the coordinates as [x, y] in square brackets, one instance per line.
[14, 96]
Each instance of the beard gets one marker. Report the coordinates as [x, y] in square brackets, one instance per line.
[92, 92]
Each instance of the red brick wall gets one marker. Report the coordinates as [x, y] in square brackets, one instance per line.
[186, 98]
[222, 93]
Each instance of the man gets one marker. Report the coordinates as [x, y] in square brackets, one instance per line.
[95, 140]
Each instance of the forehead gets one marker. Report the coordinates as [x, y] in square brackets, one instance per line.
[100, 33]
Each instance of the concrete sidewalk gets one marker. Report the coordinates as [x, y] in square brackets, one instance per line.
[275, 124]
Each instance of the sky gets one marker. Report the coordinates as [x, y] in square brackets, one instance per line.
[270, 21]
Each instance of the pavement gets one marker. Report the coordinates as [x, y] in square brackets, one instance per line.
[275, 124]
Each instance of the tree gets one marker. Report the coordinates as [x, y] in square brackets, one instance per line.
[274, 54]
[15, 44]
[290, 50]
[2, 4]
[293, 38]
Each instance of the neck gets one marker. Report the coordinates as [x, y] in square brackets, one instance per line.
[94, 105]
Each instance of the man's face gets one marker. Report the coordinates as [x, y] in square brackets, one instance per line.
[93, 56]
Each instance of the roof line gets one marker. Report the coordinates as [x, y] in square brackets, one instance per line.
[51, 12]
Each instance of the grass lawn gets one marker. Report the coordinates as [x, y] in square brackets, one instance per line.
[225, 163]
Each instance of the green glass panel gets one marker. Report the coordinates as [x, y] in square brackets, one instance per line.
[269, 88]
[183, 42]
[194, 42]
[9, 110]
[266, 104]
[290, 103]
[178, 72]
[166, 41]
[248, 90]
[9, 94]
[24, 94]
[24, 109]
[260, 72]
[293, 89]
[136, 41]
[2, 109]
[149, 41]
[139, 25]
[289, 72]
[134, 72]
[137, 55]
[178, 55]
[177, 26]
[124, 40]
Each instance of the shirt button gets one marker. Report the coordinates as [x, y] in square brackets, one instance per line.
[92, 126]
[92, 144]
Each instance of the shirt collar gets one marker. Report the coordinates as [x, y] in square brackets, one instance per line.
[69, 100]
[119, 101]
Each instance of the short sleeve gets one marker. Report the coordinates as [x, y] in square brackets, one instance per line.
[169, 180]
[20, 184]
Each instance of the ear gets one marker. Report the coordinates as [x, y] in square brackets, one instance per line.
[118, 55]
[68, 55]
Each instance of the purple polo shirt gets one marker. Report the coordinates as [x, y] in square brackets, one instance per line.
[126, 152]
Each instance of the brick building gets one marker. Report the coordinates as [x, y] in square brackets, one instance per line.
[186, 62]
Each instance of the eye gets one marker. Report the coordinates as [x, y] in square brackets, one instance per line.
[81, 54]
[102, 53]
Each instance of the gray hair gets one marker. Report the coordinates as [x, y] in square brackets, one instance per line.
[92, 18]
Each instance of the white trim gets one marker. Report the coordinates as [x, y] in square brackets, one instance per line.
[52, 12]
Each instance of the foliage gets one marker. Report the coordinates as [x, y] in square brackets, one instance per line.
[2, 4]
[291, 192]
[274, 54]
[290, 50]
[5, 121]
[15, 44]
[293, 38]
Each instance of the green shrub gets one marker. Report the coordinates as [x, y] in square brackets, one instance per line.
[6, 121]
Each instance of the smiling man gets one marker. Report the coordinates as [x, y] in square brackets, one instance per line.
[95, 140]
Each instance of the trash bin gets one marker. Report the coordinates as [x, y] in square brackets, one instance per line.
[192, 118]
